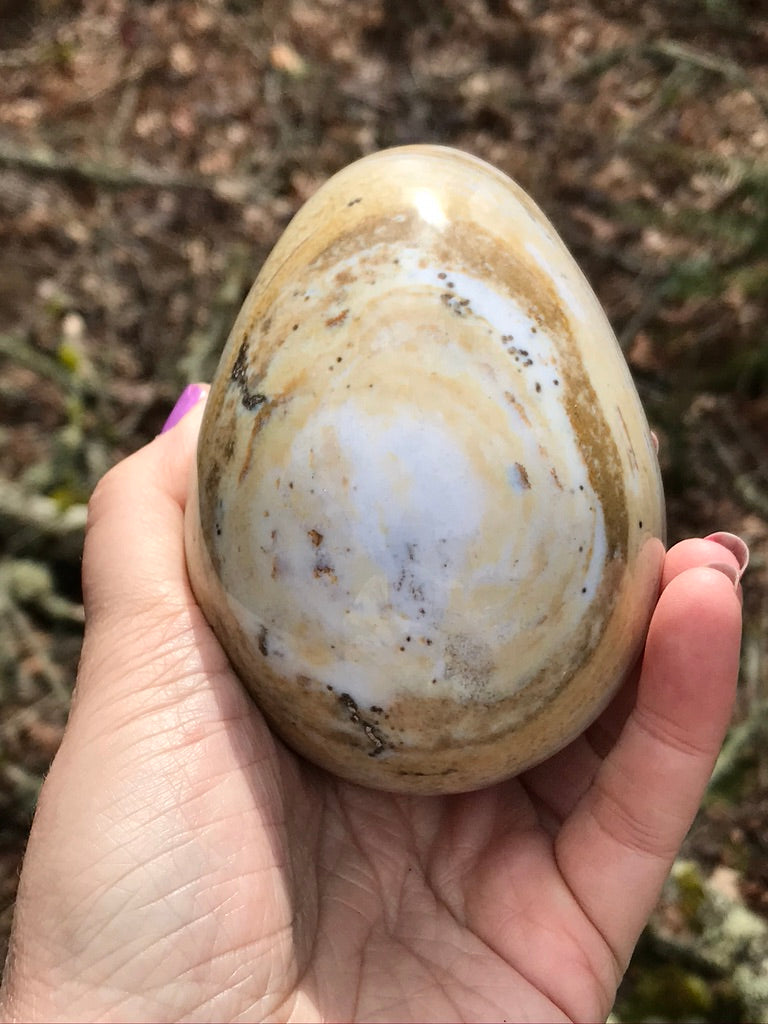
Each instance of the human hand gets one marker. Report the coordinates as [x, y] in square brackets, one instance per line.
[183, 864]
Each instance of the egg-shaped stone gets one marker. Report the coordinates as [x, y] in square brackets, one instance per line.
[427, 522]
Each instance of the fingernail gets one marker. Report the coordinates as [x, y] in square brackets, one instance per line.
[655, 440]
[730, 571]
[187, 400]
[735, 545]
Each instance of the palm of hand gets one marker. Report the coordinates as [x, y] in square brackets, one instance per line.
[308, 898]
[445, 909]
[345, 904]
[402, 908]
[251, 885]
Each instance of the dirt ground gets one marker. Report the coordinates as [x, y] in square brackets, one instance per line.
[152, 153]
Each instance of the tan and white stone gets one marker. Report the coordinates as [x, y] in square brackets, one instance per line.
[428, 523]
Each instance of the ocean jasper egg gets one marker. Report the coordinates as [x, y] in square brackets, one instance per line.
[427, 522]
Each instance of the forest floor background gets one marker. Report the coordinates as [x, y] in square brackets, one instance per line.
[152, 153]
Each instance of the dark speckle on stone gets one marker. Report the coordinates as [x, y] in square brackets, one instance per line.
[522, 476]
[373, 736]
[250, 398]
[338, 320]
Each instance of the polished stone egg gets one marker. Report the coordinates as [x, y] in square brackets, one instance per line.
[427, 522]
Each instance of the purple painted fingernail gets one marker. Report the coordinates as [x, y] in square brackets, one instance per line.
[735, 545]
[187, 400]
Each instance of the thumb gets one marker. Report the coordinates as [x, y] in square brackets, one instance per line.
[134, 544]
[135, 588]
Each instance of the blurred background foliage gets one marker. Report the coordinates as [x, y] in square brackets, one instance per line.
[150, 156]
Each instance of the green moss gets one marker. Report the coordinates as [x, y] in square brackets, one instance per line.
[691, 895]
[69, 356]
[656, 989]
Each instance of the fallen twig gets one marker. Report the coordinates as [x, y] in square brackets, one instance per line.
[678, 53]
[728, 69]
[48, 163]
[20, 350]
[26, 582]
[28, 520]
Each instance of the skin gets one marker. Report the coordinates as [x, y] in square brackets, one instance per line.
[184, 865]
